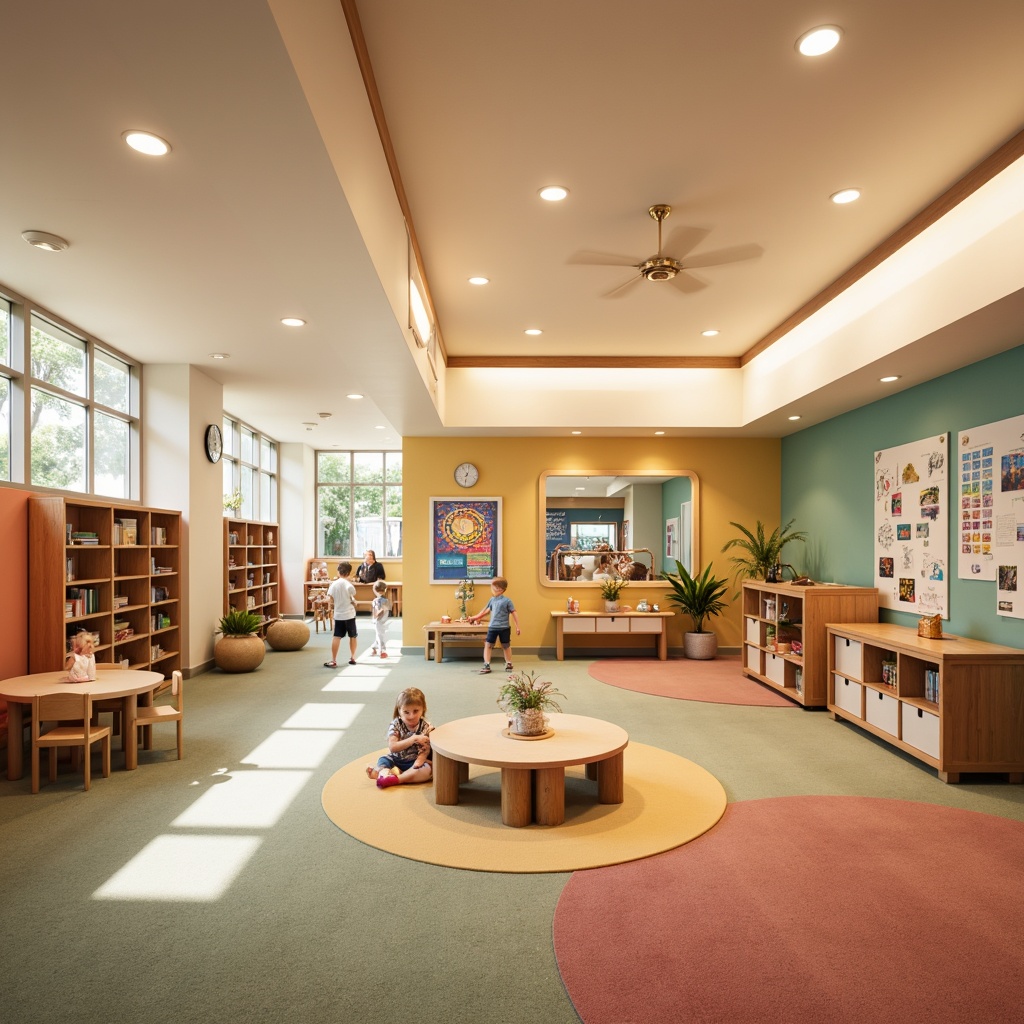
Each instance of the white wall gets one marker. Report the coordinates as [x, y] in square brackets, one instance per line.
[296, 476]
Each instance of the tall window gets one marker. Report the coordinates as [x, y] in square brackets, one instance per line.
[359, 504]
[250, 473]
[68, 407]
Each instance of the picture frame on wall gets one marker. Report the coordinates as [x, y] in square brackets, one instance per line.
[465, 539]
[672, 538]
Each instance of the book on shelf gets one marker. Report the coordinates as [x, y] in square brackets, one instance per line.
[889, 672]
[84, 537]
[120, 600]
[931, 685]
[158, 535]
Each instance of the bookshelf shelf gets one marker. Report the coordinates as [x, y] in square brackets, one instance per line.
[251, 571]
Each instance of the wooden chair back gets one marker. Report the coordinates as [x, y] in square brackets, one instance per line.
[73, 712]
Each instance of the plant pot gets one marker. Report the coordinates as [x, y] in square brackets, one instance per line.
[700, 646]
[611, 606]
[528, 723]
[239, 653]
[287, 635]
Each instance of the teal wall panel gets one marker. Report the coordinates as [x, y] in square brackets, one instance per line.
[828, 483]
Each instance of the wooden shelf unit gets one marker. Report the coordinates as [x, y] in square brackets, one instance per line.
[977, 723]
[251, 570]
[129, 581]
[802, 677]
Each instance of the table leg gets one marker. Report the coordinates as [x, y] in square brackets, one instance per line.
[15, 739]
[610, 787]
[146, 700]
[559, 640]
[516, 796]
[590, 770]
[438, 648]
[131, 732]
[663, 643]
[549, 796]
[446, 780]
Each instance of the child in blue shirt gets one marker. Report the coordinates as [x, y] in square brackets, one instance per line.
[500, 608]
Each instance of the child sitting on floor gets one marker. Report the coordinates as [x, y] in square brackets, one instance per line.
[80, 664]
[409, 759]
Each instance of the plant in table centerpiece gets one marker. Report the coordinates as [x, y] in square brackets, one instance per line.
[233, 501]
[240, 648]
[464, 594]
[525, 698]
[761, 554]
[701, 597]
[610, 590]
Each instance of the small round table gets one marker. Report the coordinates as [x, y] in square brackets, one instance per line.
[532, 771]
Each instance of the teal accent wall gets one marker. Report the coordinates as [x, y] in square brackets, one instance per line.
[828, 484]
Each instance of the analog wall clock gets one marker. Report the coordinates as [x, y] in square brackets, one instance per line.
[214, 443]
[466, 475]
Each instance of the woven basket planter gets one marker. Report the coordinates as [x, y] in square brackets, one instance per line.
[700, 646]
[528, 723]
[287, 635]
[239, 653]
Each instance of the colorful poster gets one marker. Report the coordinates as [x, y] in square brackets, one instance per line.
[465, 539]
[990, 463]
[911, 527]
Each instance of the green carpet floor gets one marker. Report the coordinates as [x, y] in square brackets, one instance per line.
[215, 889]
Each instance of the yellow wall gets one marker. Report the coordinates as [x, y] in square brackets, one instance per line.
[740, 480]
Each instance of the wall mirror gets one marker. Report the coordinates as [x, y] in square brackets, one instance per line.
[627, 523]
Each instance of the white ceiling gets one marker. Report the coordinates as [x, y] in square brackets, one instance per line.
[276, 200]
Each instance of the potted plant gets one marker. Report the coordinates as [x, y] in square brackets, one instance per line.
[610, 590]
[525, 698]
[239, 649]
[701, 597]
[761, 557]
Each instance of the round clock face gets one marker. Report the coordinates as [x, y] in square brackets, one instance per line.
[467, 474]
[214, 444]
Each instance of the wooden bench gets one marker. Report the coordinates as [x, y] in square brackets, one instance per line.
[437, 634]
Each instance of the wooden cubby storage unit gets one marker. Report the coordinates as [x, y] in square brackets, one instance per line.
[799, 614]
[251, 573]
[112, 569]
[975, 725]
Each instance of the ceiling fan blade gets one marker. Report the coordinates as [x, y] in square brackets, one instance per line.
[622, 289]
[684, 240]
[602, 259]
[735, 254]
[688, 283]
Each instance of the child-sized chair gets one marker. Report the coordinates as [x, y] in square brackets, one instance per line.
[73, 711]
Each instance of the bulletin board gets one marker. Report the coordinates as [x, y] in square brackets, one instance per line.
[990, 537]
[465, 539]
[912, 527]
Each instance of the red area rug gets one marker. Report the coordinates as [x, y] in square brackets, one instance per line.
[718, 681]
[804, 909]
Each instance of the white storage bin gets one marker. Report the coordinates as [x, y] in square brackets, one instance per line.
[848, 657]
[571, 624]
[619, 624]
[848, 695]
[753, 662]
[753, 635]
[920, 729]
[653, 625]
[775, 668]
[882, 711]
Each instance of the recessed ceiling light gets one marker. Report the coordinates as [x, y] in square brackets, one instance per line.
[794, 417]
[292, 321]
[354, 397]
[581, 488]
[308, 424]
[709, 334]
[554, 193]
[380, 426]
[147, 142]
[220, 355]
[819, 40]
[845, 195]
[45, 241]
[577, 432]
[325, 415]
[479, 280]
[659, 433]
[533, 330]
[888, 380]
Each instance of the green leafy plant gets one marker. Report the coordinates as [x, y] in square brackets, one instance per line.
[761, 552]
[238, 622]
[524, 691]
[700, 596]
[611, 588]
[233, 501]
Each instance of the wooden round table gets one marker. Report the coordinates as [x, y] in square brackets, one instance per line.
[532, 771]
[127, 684]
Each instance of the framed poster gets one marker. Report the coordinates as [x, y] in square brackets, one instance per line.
[672, 539]
[465, 539]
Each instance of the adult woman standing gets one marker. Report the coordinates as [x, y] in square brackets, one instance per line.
[371, 570]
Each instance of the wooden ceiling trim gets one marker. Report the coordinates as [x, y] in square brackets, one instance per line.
[595, 362]
[1008, 153]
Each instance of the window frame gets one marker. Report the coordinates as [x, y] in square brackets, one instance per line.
[354, 484]
[247, 477]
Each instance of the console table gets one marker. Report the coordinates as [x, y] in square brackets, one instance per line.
[645, 625]
[437, 634]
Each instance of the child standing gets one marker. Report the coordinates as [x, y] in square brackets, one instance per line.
[500, 608]
[80, 663]
[381, 609]
[408, 743]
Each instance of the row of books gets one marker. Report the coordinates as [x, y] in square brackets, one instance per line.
[81, 601]
[931, 685]
[158, 535]
[126, 531]
[159, 621]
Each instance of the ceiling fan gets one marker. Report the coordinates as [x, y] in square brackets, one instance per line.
[661, 266]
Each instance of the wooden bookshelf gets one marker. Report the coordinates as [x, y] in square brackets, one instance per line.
[109, 568]
[251, 570]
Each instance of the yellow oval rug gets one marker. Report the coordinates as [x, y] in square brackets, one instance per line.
[668, 802]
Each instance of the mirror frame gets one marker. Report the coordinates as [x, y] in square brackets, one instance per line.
[542, 520]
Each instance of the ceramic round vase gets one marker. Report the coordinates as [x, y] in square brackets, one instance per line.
[611, 606]
[239, 653]
[529, 722]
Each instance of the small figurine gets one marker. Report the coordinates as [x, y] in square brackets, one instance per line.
[80, 663]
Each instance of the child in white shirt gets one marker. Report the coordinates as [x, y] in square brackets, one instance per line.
[80, 664]
[381, 609]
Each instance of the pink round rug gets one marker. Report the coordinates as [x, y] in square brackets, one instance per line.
[840, 909]
[718, 681]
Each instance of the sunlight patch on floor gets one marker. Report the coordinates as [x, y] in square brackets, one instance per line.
[323, 716]
[249, 799]
[294, 748]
